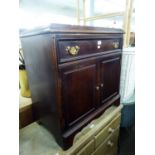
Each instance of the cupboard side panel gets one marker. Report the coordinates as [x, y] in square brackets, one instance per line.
[41, 68]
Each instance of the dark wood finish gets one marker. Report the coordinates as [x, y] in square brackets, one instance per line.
[110, 77]
[66, 89]
[41, 70]
[63, 28]
[87, 47]
[78, 91]
[69, 135]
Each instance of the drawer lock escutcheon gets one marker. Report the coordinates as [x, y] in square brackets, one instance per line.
[73, 50]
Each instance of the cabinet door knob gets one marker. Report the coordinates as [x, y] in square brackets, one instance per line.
[115, 44]
[102, 85]
[110, 143]
[97, 87]
[111, 130]
[72, 50]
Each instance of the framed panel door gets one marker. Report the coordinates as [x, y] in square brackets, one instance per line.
[79, 96]
[110, 78]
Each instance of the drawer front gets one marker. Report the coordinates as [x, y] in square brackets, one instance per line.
[74, 49]
[113, 151]
[109, 146]
[107, 131]
[88, 149]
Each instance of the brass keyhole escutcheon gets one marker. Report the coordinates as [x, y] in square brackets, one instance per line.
[73, 50]
[115, 44]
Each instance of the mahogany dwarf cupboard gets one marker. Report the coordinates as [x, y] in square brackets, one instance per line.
[74, 75]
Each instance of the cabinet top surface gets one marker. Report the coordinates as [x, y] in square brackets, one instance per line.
[62, 28]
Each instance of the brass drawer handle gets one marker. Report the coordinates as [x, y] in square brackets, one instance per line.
[115, 44]
[111, 130]
[110, 143]
[72, 50]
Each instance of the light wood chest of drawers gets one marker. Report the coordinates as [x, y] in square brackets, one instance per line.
[100, 137]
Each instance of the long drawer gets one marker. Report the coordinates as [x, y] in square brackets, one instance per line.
[109, 146]
[88, 149]
[76, 49]
[103, 140]
[107, 131]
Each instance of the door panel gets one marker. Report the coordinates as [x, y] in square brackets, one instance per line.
[78, 91]
[110, 78]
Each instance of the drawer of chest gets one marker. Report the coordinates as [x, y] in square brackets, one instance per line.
[88, 149]
[108, 130]
[109, 146]
[76, 49]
